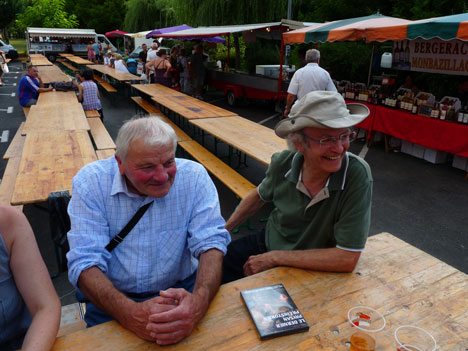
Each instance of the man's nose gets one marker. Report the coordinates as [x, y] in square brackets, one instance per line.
[160, 175]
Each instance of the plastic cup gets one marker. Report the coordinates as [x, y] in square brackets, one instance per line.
[412, 338]
[368, 321]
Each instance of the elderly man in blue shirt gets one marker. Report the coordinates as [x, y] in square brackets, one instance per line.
[160, 278]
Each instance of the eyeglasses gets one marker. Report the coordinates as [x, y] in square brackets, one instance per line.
[345, 138]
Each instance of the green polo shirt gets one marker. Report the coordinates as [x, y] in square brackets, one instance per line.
[338, 216]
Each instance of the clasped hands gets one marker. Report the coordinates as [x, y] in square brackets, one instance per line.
[166, 319]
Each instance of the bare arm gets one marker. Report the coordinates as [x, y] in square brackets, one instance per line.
[32, 279]
[174, 325]
[289, 101]
[328, 260]
[132, 315]
[248, 206]
[80, 93]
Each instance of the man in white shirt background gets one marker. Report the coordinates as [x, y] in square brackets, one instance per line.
[309, 78]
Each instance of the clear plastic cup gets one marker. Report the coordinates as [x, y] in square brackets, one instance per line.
[368, 321]
[412, 338]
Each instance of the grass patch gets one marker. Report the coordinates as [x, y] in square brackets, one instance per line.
[19, 45]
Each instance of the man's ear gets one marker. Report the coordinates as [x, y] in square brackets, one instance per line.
[120, 164]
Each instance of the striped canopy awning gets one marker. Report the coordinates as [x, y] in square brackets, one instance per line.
[445, 28]
[352, 29]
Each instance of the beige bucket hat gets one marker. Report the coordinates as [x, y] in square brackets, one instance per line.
[321, 109]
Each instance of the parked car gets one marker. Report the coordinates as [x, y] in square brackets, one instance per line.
[8, 50]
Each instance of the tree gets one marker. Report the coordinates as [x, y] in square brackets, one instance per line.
[46, 13]
[148, 14]
[9, 10]
[101, 15]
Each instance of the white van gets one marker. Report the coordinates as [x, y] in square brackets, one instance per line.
[53, 41]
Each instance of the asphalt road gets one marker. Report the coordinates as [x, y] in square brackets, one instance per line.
[419, 202]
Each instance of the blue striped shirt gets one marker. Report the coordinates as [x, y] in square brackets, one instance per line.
[163, 247]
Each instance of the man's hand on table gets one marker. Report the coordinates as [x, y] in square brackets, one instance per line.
[136, 318]
[173, 325]
[259, 263]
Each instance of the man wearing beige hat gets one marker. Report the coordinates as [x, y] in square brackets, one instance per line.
[321, 195]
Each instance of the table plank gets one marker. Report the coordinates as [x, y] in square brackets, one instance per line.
[253, 139]
[39, 60]
[191, 108]
[154, 90]
[49, 161]
[56, 97]
[432, 296]
[58, 116]
[78, 60]
[118, 75]
[15, 149]
[52, 73]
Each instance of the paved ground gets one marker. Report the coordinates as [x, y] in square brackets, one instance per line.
[421, 203]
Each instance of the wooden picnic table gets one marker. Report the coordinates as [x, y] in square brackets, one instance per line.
[79, 60]
[253, 139]
[39, 60]
[52, 73]
[190, 108]
[405, 284]
[58, 116]
[118, 75]
[154, 90]
[66, 55]
[56, 97]
[49, 161]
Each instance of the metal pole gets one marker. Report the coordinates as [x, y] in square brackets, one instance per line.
[280, 78]
[289, 9]
[370, 64]
[228, 53]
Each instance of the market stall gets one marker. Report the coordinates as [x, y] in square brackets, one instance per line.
[268, 83]
[428, 129]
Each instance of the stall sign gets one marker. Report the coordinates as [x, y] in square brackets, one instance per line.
[434, 56]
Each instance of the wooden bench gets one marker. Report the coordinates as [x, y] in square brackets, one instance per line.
[146, 105]
[181, 135]
[69, 66]
[72, 319]
[26, 111]
[92, 113]
[15, 149]
[106, 85]
[105, 153]
[100, 135]
[233, 180]
[8, 181]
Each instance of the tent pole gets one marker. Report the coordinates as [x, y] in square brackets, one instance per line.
[370, 64]
[229, 51]
[280, 78]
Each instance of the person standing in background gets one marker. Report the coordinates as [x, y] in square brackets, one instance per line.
[309, 78]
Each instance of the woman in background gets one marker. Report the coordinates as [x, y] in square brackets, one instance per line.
[120, 64]
[161, 67]
[88, 92]
[29, 306]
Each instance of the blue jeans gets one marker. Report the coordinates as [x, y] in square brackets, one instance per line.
[95, 316]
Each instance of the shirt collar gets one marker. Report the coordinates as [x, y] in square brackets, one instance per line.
[119, 185]
[335, 182]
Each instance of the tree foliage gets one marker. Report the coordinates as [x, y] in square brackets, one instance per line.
[9, 10]
[101, 15]
[144, 15]
[46, 13]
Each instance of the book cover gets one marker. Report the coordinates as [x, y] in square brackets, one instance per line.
[273, 311]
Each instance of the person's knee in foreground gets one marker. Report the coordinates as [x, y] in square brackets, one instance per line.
[31, 308]
[146, 282]
[321, 195]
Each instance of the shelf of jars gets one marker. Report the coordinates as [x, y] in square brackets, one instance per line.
[425, 128]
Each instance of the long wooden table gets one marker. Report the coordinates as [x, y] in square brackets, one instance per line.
[59, 116]
[49, 162]
[39, 60]
[253, 139]
[118, 75]
[154, 90]
[79, 60]
[56, 97]
[191, 108]
[52, 73]
[407, 285]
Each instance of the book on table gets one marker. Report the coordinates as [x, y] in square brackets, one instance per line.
[273, 311]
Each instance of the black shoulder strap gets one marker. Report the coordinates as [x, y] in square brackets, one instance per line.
[123, 233]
